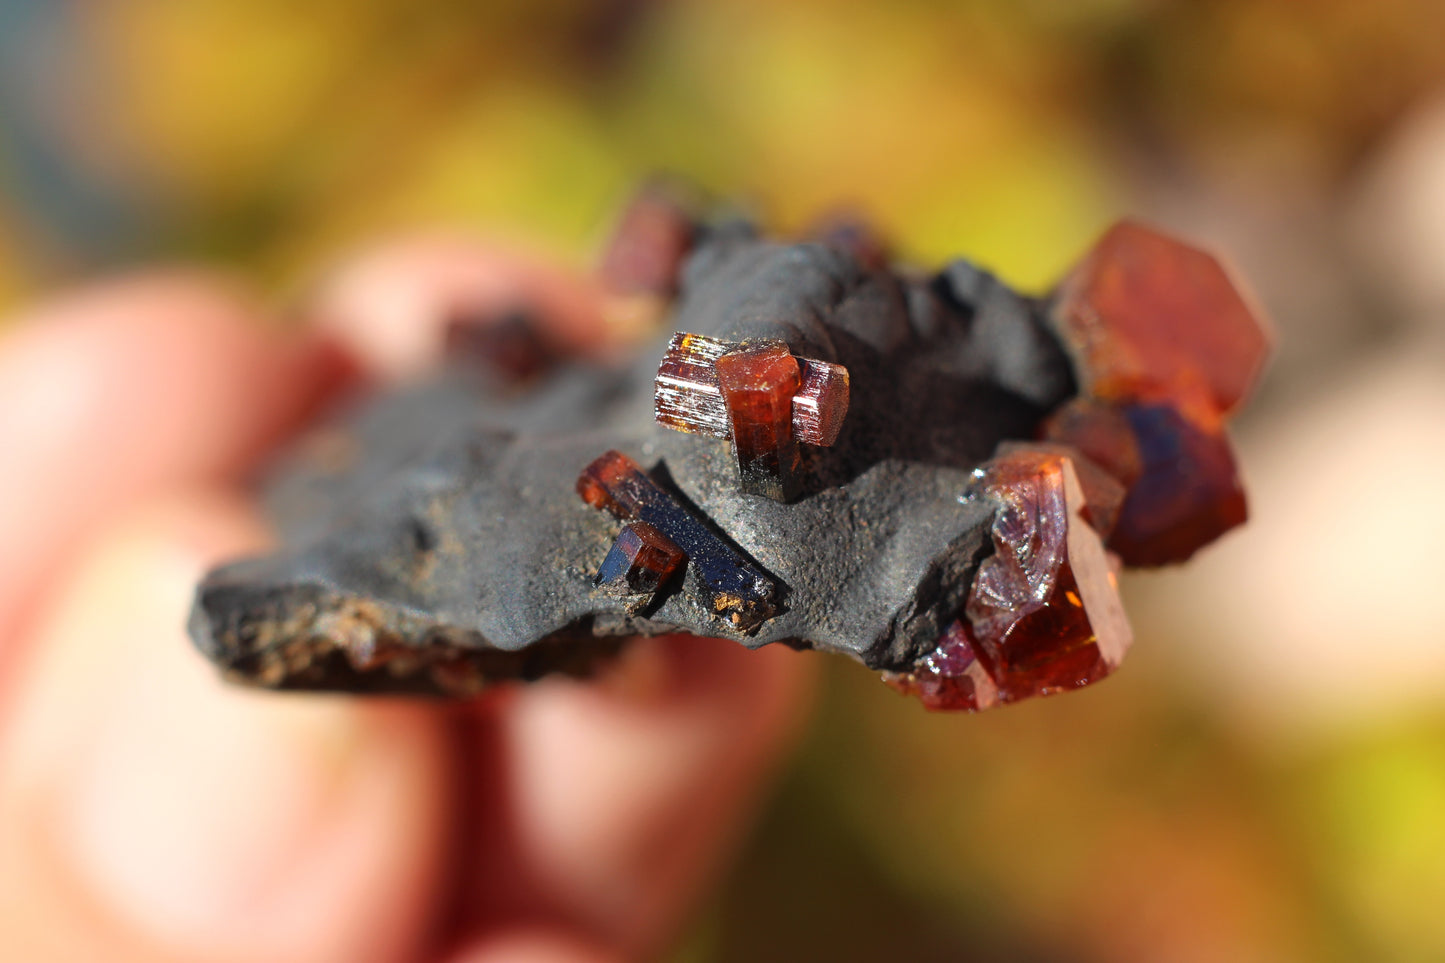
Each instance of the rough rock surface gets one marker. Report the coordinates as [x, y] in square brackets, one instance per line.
[434, 541]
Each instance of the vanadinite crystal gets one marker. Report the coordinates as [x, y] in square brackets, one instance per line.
[1188, 494]
[821, 403]
[1100, 431]
[738, 590]
[652, 238]
[688, 397]
[640, 562]
[1148, 317]
[511, 345]
[758, 383]
[1103, 494]
[1044, 613]
[686, 394]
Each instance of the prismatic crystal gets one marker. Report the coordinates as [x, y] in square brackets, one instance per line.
[736, 589]
[758, 395]
[640, 562]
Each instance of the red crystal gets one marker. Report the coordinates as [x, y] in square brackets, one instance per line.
[1043, 614]
[652, 238]
[821, 403]
[1188, 493]
[1099, 430]
[1103, 494]
[951, 676]
[511, 345]
[740, 593]
[758, 383]
[640, 561]
[686, 395]
[1148, 317]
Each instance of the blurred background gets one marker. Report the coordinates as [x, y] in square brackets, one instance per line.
[1265, 778]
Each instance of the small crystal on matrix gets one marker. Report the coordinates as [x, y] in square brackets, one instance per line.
[758, 383]
[651, 240]
[639, 563]
[687, 396]
[510, 345]
[738, 591]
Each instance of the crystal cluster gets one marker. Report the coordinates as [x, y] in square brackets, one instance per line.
[759, 395]
[1043, 614]
[1164, 348]
[736, 589]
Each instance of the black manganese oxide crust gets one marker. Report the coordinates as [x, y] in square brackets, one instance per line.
[434, 541]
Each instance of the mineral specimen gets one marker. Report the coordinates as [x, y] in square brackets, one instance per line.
[1044, 614]
[950, 531]
[688, 396]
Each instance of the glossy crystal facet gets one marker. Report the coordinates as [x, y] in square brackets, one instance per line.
[1103, 493]
[688, 397]
[1043, 614]
[759, 380]
[1149, 317]
[821, 404]
[640, 562]
[686, 394]
[738, 591]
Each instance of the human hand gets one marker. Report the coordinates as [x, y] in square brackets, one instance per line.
[150, 812]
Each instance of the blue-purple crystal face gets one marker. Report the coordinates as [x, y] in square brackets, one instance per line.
[1187, 494]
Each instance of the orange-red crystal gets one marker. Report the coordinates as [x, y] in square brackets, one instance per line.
[1044, 613]
[1149, 317]
[758, 383]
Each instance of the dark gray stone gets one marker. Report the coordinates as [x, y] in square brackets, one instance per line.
[435, 541]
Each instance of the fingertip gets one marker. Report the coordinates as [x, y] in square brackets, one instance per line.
[390, 304]
[114, 391]
[534, 946]
[146, 806]
[627, 795]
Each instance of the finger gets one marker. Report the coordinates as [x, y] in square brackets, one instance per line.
[148, 812]
[391, 304]
[531, 946]
[622, 798]
[115, 392]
